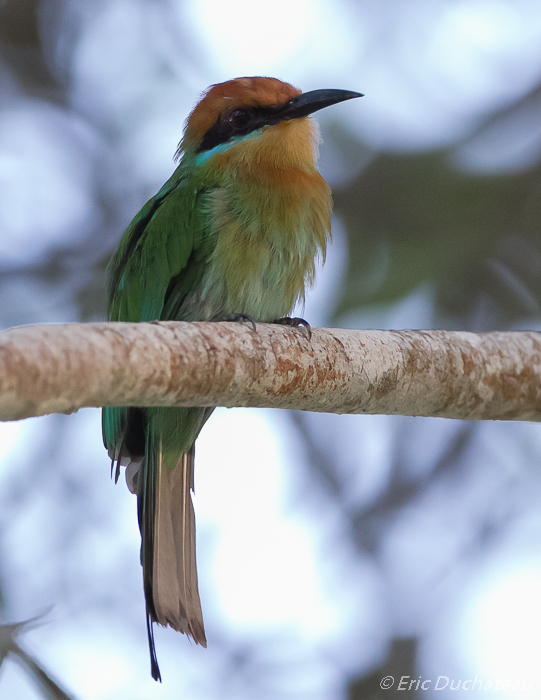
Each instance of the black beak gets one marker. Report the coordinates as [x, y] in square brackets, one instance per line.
[310, 102]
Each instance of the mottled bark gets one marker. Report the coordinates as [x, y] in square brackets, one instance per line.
[59, 368]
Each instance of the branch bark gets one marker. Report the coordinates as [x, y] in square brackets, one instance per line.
[60, 368]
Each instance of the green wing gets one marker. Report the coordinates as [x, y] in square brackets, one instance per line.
[164, 243]
[160, 259]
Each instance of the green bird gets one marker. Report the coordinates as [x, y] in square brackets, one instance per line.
[233, 234]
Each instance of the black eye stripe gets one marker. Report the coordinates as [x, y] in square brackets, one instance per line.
[224, 130]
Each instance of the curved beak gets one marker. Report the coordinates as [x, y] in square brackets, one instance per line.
[310, 102]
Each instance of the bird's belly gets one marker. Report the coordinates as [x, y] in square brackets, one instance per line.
[265, 294]
[256, 276]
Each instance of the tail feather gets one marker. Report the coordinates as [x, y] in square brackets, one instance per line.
[165, 513]
[174, 596]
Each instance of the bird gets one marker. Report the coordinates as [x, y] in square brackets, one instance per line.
[234, 234]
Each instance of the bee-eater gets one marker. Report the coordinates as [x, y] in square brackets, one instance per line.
[233, 234]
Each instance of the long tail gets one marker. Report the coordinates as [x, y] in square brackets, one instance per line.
[167, 521]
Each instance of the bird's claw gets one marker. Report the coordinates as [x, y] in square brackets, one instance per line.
[241, 318]
[295, 323]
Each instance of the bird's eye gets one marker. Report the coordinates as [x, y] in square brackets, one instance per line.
[239, 118]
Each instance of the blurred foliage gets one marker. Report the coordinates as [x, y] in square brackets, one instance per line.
[20, 47]
[19, 22]
[49, 687]
[399, 664]
[416, 218]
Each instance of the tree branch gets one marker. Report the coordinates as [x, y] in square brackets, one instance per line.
[60, 368]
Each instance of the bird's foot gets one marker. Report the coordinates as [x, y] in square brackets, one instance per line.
[241, 318]
[295, 323]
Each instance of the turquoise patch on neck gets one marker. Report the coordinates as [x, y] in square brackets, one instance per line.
[202, 158]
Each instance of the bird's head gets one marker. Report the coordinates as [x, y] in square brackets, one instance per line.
[247, 111]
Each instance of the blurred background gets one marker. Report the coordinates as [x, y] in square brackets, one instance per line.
[333, 551]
